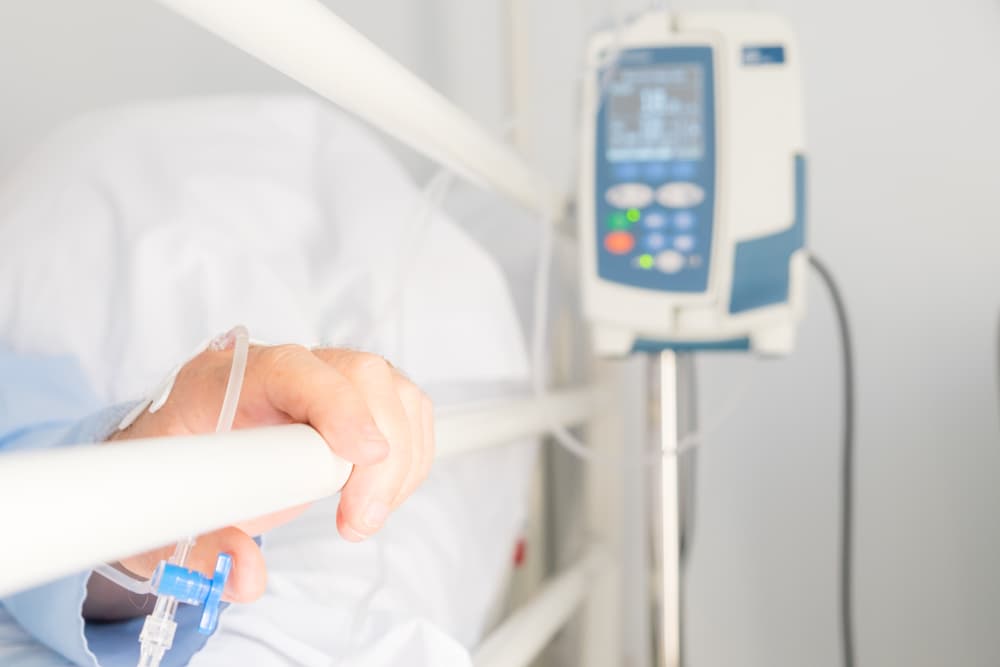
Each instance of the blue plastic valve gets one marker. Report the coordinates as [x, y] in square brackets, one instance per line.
[193, 588]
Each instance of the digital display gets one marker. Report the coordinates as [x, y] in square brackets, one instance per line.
[656, 113]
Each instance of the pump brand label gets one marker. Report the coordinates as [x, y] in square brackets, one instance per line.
[763, 55]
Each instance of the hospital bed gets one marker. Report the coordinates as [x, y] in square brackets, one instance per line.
[290, 465]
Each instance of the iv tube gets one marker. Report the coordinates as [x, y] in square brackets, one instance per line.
[157, 634]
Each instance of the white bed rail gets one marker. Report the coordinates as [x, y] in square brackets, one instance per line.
[528, 630]
[141, 494]
[309, 43]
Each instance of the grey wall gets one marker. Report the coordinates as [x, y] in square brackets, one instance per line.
[903, 99]
[58, 58]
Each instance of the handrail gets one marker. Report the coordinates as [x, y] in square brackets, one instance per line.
[66, 509]
[523, 634]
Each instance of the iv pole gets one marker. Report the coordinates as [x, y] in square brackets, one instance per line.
[663, 433]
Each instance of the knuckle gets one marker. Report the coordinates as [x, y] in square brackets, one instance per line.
[280, 353]
[363, 364]
[331, 355]
[279, 371]
[409, 393]
[277, 358]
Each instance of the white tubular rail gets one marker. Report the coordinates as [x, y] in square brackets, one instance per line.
[468, 429]
[65, 510]
[519, 639]
[306, 41]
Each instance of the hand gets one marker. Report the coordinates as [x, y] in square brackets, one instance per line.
[368, 413]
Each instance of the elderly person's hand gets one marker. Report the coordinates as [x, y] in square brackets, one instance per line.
[368, 413]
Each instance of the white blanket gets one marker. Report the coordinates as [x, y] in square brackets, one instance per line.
[132, 235]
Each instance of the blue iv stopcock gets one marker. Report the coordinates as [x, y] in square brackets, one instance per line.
[190, 587]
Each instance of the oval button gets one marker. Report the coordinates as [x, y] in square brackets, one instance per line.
[619, 243]
[629, 195]
[669, 261]
[684, 220]
[618, 220]
[680, 195]
[684, 243]
[654, 220]
[655, 241]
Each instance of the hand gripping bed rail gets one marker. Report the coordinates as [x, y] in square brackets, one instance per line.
[96, 497]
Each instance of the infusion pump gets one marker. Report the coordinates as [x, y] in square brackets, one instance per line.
[692, 188]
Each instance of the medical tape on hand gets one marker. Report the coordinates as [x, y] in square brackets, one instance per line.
[157, 398]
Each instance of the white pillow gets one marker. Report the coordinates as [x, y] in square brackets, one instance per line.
[132, 235]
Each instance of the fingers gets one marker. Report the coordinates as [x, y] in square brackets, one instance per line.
[403, 414]
[420, 412]
[367, 412]
[371, 492]
[310, 391]
[248, 578]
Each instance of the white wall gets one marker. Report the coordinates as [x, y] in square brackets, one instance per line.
[58, 59]
[903, 102]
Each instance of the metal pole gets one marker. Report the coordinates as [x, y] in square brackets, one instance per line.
[670, 565]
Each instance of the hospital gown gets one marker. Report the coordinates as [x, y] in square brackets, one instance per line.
[47, 402]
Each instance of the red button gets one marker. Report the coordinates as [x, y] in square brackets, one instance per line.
[619, 243]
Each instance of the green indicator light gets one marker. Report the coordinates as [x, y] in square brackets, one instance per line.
[632, 214]
[618, 220]
[646, 261]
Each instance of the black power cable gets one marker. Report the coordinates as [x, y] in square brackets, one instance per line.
[847, 466]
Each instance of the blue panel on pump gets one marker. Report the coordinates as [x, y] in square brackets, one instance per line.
[761, 268]
[655, 169]
[656, 346]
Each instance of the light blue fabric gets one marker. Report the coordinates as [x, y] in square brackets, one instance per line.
[47, 402]
[40, 399]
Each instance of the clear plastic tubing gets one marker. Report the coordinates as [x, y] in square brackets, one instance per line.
[157, 634]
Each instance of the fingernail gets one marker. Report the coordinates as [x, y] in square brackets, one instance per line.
[353, 535]
[375, 515]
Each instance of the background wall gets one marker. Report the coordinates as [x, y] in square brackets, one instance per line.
[61, 58]
[903, 99]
